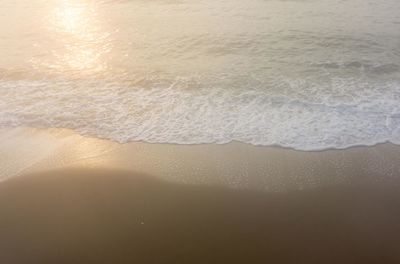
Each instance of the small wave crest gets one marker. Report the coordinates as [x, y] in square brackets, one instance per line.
[169, 114]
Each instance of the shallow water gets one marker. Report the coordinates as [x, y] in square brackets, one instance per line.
[311, 74]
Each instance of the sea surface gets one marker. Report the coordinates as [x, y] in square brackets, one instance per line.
[303, 74]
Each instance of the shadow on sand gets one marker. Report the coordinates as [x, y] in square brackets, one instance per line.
[93, 216]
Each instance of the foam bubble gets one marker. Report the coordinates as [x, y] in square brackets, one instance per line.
[337, 116]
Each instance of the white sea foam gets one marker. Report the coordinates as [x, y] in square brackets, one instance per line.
[192, 116]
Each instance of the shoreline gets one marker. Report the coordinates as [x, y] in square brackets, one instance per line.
[70, 131]
[233, 165]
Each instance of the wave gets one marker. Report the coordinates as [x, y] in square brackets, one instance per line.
[316, 120]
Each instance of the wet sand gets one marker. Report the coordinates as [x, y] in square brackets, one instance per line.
[234, 165]
[99, 216]
[65, 198]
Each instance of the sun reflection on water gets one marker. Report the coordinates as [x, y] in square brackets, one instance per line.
[71, 18]
[82, 38]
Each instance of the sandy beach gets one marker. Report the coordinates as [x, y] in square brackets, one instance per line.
[209, 132]
[84, 200]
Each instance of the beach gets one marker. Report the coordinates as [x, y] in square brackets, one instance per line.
[210, 131]
[94, 201]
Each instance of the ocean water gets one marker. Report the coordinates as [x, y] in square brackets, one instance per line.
[303, 74]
